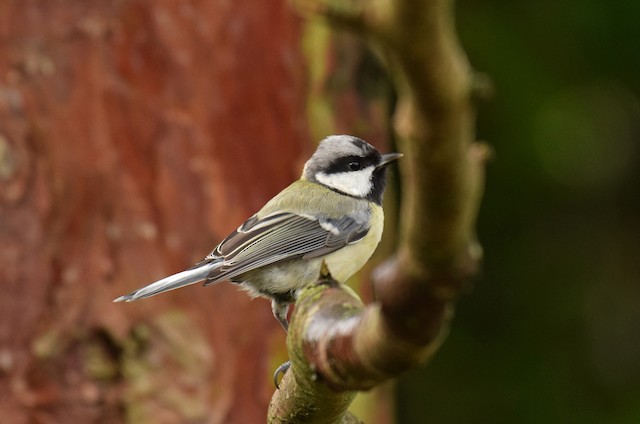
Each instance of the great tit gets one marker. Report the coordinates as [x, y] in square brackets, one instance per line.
[333, 213]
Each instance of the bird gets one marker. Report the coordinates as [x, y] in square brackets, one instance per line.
[332, 215]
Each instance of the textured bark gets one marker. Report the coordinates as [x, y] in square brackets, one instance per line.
[133, 135]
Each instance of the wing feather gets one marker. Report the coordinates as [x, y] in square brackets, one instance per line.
[282, 236]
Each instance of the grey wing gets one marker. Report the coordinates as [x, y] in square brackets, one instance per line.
[281, 236]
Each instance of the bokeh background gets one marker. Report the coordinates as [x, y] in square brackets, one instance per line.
[551, 332]
[131, 130]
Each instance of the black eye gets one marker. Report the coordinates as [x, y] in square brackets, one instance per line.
[354, 165]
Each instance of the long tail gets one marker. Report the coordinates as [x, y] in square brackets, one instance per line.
[172, 282]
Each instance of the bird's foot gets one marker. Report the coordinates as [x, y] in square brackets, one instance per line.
[282, 369]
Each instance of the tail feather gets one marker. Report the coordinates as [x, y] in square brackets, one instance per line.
[172, 282]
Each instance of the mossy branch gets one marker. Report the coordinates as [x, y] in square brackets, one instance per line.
[337, 346]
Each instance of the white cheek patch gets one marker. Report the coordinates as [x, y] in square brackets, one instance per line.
[355, 183]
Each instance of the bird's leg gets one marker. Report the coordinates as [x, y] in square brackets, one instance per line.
[280, 311]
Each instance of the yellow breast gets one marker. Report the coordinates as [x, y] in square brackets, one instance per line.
[347, 261]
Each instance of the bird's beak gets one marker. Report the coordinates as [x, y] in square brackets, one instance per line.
[387, 158]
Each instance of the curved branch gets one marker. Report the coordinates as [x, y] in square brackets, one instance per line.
[336, 345]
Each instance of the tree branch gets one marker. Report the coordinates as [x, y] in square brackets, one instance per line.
[336, 345]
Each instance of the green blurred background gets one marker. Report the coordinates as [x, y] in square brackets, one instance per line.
[551, 331]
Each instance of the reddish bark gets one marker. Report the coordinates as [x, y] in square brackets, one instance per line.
[133, 135]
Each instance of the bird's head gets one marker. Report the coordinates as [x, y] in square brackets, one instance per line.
[349, 165]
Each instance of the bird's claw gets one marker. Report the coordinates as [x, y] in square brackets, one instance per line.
[282, 369]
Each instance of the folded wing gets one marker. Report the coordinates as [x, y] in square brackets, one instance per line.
[281, 236]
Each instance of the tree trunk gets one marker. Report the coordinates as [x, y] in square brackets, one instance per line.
[133, 136]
